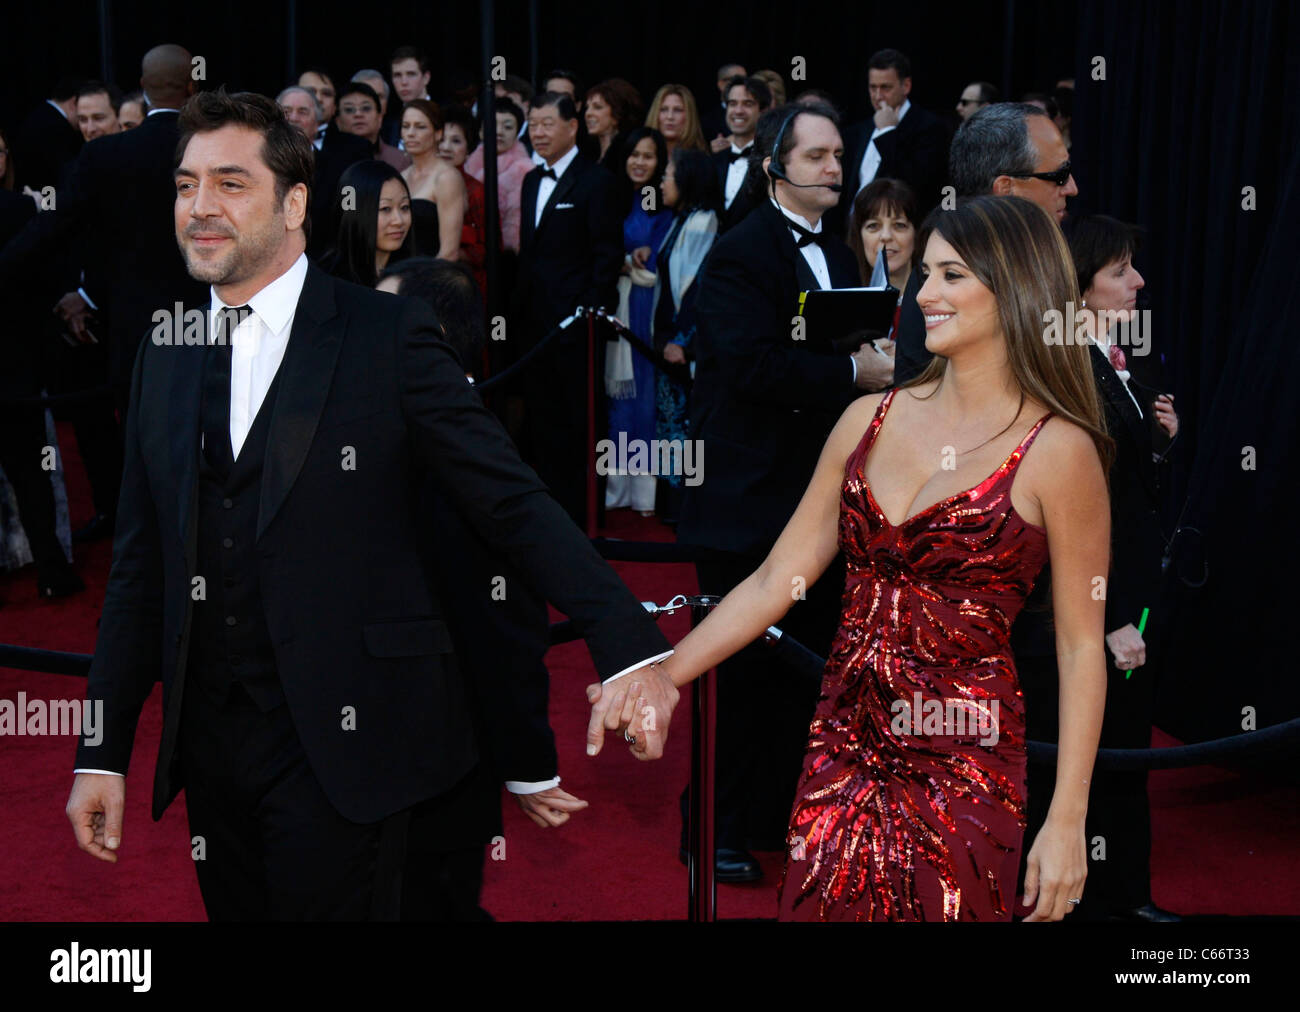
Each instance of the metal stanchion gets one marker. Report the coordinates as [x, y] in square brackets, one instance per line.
[702, 885]
[591, 424]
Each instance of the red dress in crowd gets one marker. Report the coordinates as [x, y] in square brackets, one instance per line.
[890, 823]
[473, 230]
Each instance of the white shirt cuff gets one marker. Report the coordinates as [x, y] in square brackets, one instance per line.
[522, 787]
[107, 773]
[639, 665]
[88, 300]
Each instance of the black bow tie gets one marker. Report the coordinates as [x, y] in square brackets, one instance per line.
[549, 172]
[807, 236]
[733, 154]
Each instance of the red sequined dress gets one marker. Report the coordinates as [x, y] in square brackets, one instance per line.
[910, 805]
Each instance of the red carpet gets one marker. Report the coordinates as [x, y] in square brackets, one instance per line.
[1223, 842]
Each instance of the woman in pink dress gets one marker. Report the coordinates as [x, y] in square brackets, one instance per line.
[513, 163]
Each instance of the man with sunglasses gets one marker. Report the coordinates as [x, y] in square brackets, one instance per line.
[1009, 149]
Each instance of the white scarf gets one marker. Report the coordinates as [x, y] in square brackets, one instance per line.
[620, 383]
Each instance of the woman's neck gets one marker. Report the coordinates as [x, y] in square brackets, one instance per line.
[381, 260]
[605, 141]
[977, 384]
[425, 161]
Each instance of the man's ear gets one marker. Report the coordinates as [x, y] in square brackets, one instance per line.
[906, 86]
[295, 207]
[1003, 186]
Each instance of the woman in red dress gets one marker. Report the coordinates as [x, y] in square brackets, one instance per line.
[948, 497]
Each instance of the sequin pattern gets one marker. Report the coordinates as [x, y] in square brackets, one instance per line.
[890, 824]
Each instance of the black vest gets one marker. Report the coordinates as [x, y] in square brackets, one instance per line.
[229, 641]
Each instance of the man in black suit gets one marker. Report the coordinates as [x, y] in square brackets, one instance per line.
[335, 152]
[765, 399]
[747, 98]
[267, 565]
[900, 141]
[49, 138]
[121, 192]
[570, 250]
[1010, 149]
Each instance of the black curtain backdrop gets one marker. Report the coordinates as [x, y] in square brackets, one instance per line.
[1201, 100]
[1196, 103]
[246, 45]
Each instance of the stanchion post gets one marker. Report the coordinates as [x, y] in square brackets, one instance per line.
[702, 886]
[591, 424]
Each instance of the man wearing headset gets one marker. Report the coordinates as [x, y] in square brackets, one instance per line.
[766, 396]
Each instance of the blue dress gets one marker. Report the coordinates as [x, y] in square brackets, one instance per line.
[637, 415]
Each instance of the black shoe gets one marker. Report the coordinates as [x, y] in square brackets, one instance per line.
[58, 582]
[731, 865]
[100, 526]
[1148, 913]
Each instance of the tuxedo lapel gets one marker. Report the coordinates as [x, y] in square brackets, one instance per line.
[1121, 407]
[305, 375]
[528, 208]
[562, 188]
[185, 394]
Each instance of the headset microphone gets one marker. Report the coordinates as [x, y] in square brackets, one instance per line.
[775, 171]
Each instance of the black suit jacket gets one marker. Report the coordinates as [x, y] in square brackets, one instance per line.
[348, 604]
[910, 353]
[1136, 535]
[745, 200]
[44, 144]
[121, 192]
[915, 151]
[572, 256]
[763, 403]
[339, 150]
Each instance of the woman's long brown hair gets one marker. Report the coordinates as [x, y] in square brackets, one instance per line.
[1018, 252]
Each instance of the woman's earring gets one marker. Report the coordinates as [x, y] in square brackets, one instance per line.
[1083, 303]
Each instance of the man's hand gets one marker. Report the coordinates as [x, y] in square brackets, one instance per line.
[550, 807]
[641, 703]
[95, 809]
[875, 367]
[886, 116]
[1127, 645]
[720, 143]
[674, 353]
[74, 313]
[1166, 416]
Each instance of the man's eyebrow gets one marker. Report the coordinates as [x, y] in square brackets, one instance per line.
[220, 170]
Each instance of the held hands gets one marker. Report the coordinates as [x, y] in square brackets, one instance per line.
[640, 255]
[1127, 645]
[1056, 869]
[674, 353]
[1166, 416]
[95, 809]
[640, 706]
[550, 807]
[875, 365]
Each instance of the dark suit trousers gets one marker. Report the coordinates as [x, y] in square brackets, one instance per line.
[1119, 810]
[22, 439]
[764, 709]
[274, 848]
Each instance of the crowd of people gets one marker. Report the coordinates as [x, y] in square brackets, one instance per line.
[699, 224]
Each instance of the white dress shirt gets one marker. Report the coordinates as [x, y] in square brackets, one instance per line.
[871, 157]
[736, 173]
[548, 185]
[258, 344]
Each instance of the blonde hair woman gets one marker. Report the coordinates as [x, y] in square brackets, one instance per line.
[674, 114]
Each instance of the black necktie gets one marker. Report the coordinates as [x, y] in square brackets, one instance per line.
[807, 236]
[733, 154]
[216, 389]
[549, 172]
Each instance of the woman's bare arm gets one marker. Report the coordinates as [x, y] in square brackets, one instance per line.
[449, 191]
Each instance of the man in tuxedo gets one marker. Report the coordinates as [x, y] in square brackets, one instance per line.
[49, 138]
[570, 250]
[267, 566]
[899, 141]
[1009, 149]
[747, 98]
[765, 399]
[120, 195]
[321, 84]
[713, 118]
[335, 152]
[97, 107]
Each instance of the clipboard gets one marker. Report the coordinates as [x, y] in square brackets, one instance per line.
[844, 318]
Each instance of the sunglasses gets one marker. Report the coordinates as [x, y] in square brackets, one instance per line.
[1057, 178]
